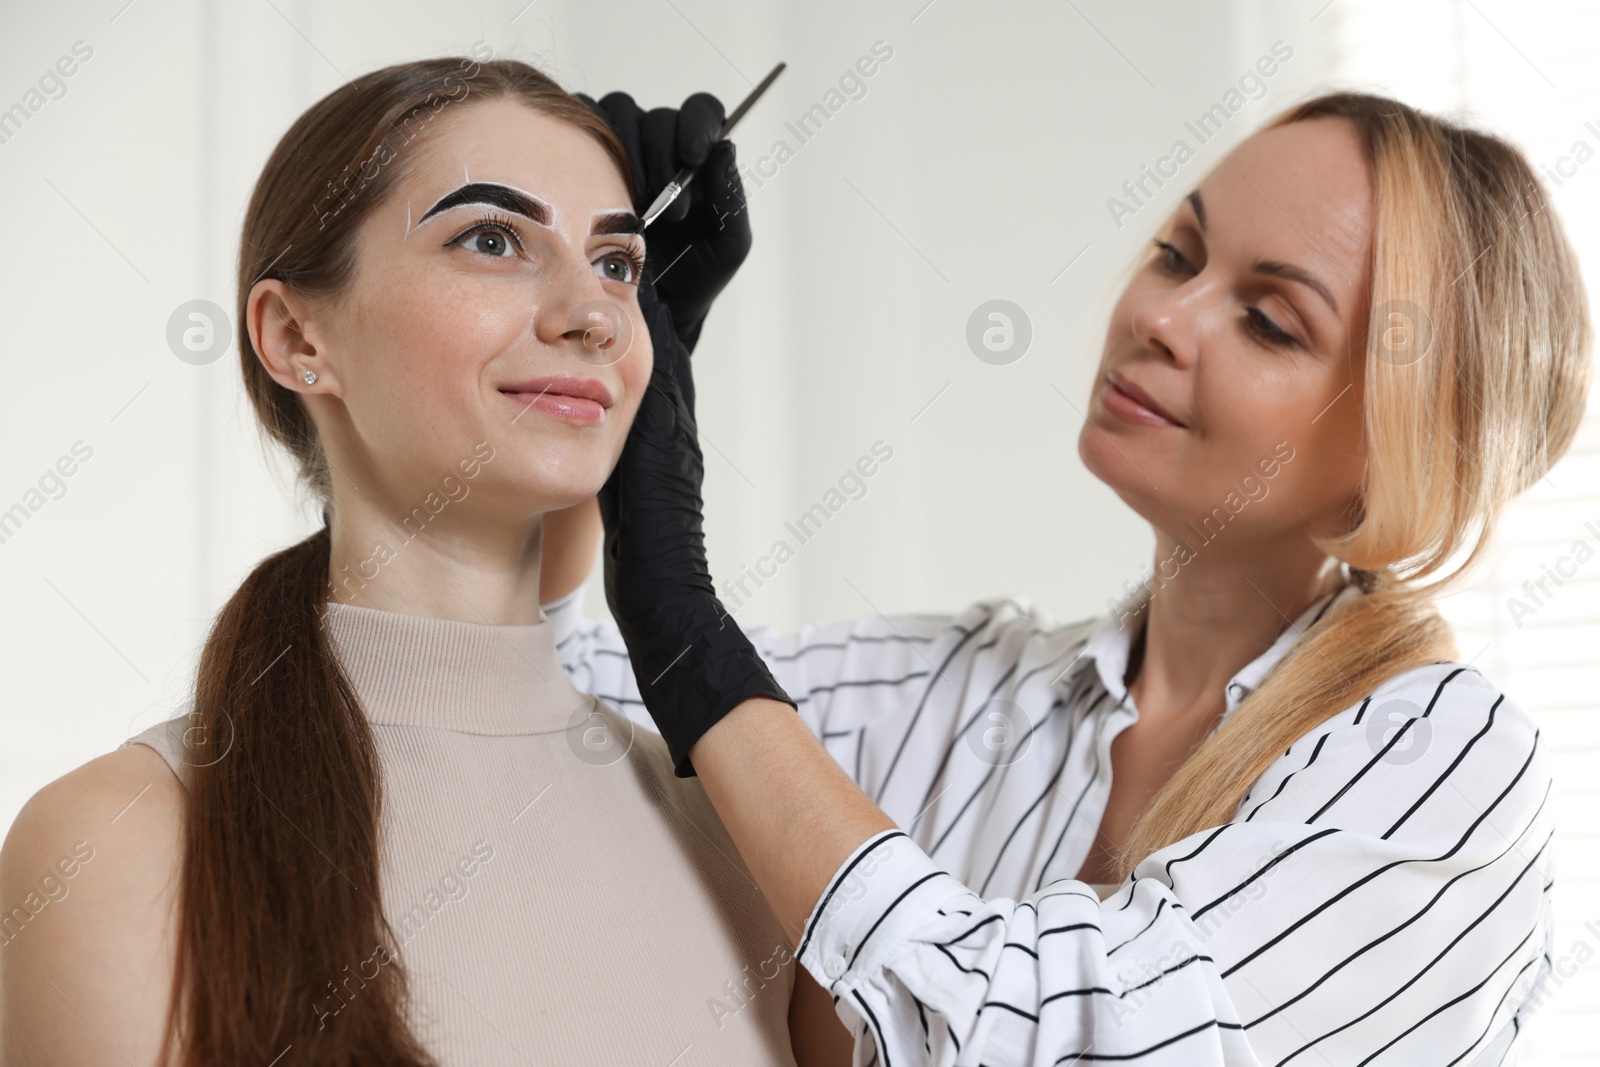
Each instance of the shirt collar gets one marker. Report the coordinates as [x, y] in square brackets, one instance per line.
[1111, 641]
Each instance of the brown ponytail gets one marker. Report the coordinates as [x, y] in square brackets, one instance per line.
[283, 953]
[280, 915]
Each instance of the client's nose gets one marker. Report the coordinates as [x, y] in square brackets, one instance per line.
[602, 329]
[598, 321]
[578, 314]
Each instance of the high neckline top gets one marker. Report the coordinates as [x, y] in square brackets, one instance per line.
[557, 894]
[476, 678]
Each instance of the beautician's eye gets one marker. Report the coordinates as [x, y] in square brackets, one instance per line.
[1268, 331]
[622, 265]
[1168, 251]
[492, 235]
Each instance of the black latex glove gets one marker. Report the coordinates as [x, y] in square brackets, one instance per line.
[692, 662]
[700, 240]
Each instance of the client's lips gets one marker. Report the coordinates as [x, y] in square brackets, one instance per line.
[581, 400]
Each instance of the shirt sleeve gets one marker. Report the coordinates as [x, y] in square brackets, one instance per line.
[1388, 902]
[921, 671]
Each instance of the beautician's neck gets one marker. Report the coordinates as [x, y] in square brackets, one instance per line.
[1215, 617]
[454, 568]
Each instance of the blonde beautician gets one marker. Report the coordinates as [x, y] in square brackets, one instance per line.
[1344, 856]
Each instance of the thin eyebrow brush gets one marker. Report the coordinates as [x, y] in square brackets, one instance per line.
[682, 178]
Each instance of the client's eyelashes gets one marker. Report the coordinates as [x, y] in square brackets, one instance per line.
[633, 258]
[491, 226]
[496, 236]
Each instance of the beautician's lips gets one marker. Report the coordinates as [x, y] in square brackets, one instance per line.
[1117, 384]
[581, 400]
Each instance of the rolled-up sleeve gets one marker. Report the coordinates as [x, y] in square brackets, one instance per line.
[1377, 908]
[930, 969]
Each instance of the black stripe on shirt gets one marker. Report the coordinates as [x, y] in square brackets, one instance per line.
[839, 880]
[1382, 753]
[994, 690]
[1364, 879]
[1067, 826]
[845, 645]
[1542, 957]
[1465, 751]
[1155, 915]
[923, 703]
[1263, 870]
[1442, 953]
[889, 911]
[1071, 701]
[1315, 752]
[877, 1029]
[1152, 980]
[1066, 756]
[1101, 1057]
[1396, 930]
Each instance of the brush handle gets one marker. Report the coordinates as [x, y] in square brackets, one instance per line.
[681, 180]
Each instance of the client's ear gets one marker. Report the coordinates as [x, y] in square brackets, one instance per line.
[285, 339]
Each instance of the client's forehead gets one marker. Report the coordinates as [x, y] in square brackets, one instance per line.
[507, 146]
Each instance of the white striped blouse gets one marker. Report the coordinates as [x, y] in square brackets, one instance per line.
[1382, 895]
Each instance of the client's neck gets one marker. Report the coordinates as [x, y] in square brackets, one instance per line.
[435, 564]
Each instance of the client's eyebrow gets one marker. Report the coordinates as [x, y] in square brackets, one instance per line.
[616, 222]
[495, 194]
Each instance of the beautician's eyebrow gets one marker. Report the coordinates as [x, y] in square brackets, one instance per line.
[617, 222]
[1272, 266]
[1296, 274]
[500, 196]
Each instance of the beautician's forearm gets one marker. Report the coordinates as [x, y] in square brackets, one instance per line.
[793, 812]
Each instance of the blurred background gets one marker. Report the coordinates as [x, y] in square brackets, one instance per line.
[977, 163]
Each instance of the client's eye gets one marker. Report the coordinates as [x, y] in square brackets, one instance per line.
[622, 265]
[491, 235]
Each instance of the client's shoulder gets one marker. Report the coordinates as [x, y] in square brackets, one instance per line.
[89, 879]
[127, 801]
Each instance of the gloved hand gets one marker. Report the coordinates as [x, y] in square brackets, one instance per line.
[700, 240]
[692, 662]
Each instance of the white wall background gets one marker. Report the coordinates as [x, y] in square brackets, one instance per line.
[976, 166]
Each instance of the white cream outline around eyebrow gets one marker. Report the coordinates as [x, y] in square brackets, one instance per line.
[481, 203]
[609, 212]
[548, 207]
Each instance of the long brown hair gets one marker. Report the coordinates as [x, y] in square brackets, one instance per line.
[280, 906]
[1464, 238]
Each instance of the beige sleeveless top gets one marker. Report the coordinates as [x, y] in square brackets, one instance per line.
[557, 894]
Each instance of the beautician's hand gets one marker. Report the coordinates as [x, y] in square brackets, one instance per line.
[692, 662]
[700, 240]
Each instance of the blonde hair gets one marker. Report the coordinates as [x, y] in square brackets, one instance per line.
[1465, 249]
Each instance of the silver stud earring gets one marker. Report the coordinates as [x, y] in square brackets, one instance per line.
[310, 376]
